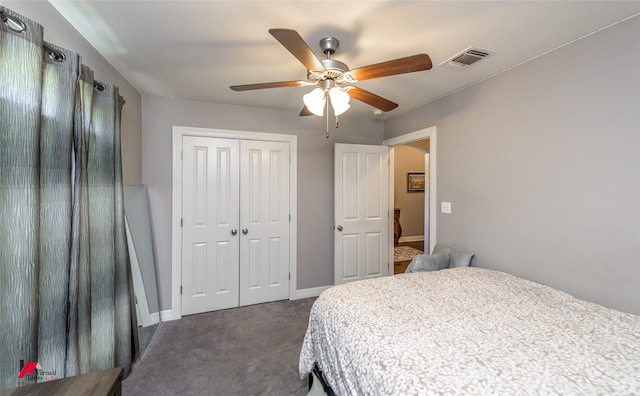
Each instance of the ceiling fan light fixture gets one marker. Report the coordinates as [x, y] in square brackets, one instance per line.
[338, 110]
[315, 101]
[339, 100]
[333, 78]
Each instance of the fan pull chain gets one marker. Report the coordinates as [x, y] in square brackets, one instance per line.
[327, 110]
[337, 124]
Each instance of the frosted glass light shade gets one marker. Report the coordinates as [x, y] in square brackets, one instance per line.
[315, 101]
[339, 100]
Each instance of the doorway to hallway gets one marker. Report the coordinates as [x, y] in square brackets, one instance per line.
[419, 236]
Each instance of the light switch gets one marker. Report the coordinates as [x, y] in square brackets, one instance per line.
[445, 207]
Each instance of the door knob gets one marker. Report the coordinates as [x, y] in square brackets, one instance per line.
[339, 227]
[245, 231]
[234, 232]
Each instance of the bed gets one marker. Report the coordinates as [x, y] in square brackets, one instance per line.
[467, 331]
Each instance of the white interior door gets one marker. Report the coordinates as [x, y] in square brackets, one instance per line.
[264, 219]
[361, 248]
[210, 205]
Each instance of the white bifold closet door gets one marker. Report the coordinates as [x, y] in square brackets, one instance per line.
[264, 215]
[235, 233]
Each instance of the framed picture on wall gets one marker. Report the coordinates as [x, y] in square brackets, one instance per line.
[415, 182]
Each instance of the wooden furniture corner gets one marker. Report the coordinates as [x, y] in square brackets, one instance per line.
[98, 383]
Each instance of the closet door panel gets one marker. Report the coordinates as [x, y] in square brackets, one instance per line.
[264, 219]
[210, 212]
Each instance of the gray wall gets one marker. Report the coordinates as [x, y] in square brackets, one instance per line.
[408, 159]
[542, 166]
[315, 174]
[60, 32]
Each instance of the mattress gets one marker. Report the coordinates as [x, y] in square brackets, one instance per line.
[468, 331]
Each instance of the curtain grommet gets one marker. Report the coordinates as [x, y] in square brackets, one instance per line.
[54, 54]
[12, 22]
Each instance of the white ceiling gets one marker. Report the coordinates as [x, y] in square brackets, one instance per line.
[196, 49]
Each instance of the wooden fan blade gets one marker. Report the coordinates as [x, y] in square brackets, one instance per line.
[249, 87]
[372, 99]
[305, 112]
[292, 41]
[409, 64]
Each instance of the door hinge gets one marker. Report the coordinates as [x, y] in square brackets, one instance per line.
[181, 222]
[181, 154]
[289, 218]
[180, 289]
[289, 275]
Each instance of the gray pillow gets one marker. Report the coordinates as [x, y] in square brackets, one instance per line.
[441, 248]
[458, 259]
[429, 262]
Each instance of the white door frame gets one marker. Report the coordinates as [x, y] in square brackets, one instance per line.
[176, 206]
[427, 133]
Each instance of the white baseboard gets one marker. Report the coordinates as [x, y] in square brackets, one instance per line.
[166, 316]
[415, 238]
[311, 292]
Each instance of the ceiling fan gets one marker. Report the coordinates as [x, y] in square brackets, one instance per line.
[333, 78]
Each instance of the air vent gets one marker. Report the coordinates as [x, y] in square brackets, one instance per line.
[464, 59]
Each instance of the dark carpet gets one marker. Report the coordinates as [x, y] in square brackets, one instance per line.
[251, 350]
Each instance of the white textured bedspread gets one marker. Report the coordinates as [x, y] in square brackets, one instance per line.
[468, 331]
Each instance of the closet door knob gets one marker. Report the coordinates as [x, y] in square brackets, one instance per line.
[234, 232]
[339, 227]
[245, 231]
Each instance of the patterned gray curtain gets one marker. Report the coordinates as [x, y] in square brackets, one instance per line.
[64, 278]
